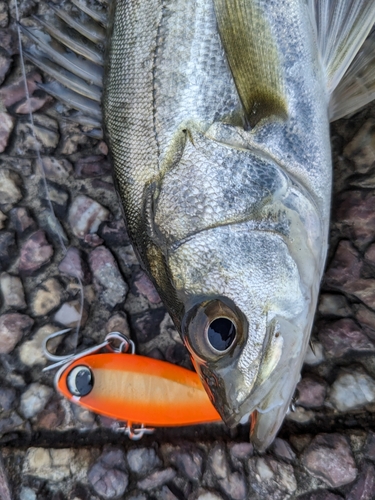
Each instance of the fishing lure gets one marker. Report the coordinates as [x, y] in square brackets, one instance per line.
[125, 386]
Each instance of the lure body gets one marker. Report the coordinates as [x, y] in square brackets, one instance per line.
[140, 390]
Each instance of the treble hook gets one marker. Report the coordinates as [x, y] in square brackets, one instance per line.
[137, 433]
[124, 345]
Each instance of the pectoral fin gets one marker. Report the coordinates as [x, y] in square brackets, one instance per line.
[253, 57]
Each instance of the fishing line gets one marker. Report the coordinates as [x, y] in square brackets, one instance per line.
[42, 169]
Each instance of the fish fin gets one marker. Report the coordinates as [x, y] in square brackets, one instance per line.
[342, 28]
[71, 39]
[68, 48]
[67, 78]
[253, 58]
[72, 99]
[357, 88]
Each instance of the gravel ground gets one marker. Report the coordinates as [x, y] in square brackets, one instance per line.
[51, 449]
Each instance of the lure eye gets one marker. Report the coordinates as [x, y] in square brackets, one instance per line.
[80, 381]
[221, 334]
[214, 327]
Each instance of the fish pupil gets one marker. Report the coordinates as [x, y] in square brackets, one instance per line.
[221, 333]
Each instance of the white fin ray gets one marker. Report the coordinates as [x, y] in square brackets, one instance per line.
[342, 28]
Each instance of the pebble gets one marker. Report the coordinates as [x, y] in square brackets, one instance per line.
[31, 351]
[300, 415]
[21, 220]
[35, 252]
[73, 265]
[146, 288]
[272, 479]
[57, 169]
[9, 424]
[234, 486]
[189, 463]
[146, 325]
[4, 16]
[8, 249]
[352, 390]
[56, 465]
[46, 297]
[59, 198]
[311, 392]
[208, 495]
[283, 450]
[7, 399]
[114, 233]
[361, 149]
[364, 487]
[13, 326]
[34, 399]
[51, 417]
[5, 59]
[3, 218]
[10, 184]
[86, 215]
[143, 460]
[356, 214]
[333, 305]
[92, 166]
[7, 123]
[27, 494]
[34, 103]
[46, 132]
[320, 495]
[156, 479]
[366, 318]
[5, 492]
[369, 448]
[12, 290]
[218, 462]
[107, 277]
[118, 323]
[69, 314]
[344, 337]
[329, 457]
[108, 475]
[242, 451]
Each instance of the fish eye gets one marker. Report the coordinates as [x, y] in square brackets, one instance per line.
[213, 328]
[80, 381]
[221, 333]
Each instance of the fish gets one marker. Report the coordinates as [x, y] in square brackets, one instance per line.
[217, 116]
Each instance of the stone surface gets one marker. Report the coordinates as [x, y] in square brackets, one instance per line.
[31, 351]
[189, 463]
[7, 123]
[86, 215]
[108, 475]
[12, 291]
[156, 479]
[10, 187]
[92, 166]
[46, 132]
[344, 337]
[57, 169]
[282, 450]
[8, 249]
[364, 487]
[329, 457]
[46, 297]
[333, 305]
[5, 491]
[73, 265]
[362, 147]
[34, 103]
[57, 465]
[118, 323]
[69, 314]
[272, 479]
[7, 399]
[35, 253]
[311, 392]
[146, 288]
[21, 220]
[34, 399]
[3, 218]
[107, 277]
[13, 326]
[352, 390]
[143, 460]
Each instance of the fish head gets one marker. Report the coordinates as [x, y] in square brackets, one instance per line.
[242, 245]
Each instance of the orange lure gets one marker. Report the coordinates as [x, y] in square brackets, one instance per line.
[136, 389]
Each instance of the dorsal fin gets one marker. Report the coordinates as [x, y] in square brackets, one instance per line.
[253, 58]
[342, 28]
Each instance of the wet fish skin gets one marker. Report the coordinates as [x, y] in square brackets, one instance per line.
[226, 195]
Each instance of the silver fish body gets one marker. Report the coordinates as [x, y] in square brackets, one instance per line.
[217, 116]
[230, 220]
